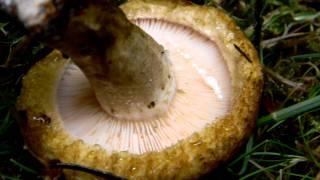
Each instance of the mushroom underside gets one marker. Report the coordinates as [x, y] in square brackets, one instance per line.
[202, 96]
[218, 84]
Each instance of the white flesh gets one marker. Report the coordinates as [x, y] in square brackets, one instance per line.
[202, 96]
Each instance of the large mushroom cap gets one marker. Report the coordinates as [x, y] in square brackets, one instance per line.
[212, 112]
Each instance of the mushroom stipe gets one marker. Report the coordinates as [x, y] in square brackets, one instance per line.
[211, 113]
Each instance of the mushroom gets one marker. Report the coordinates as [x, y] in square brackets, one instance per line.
[143, 110]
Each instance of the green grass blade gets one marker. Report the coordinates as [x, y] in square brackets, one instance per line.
[306, 16]
[2, 153]
[5, 124]
[299, 175]
[4, 177]
[290, 111]
[255, 148]
[277, 143]
[246, 158]
[314, 91]
[248, 152]
[277, 154]
[2, 25]
[260, 171]
[307, 146]
[25, 168]
[310, 56]
[275, 125]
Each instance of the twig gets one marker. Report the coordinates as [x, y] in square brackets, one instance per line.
[269, 175]
[99, 173]
[273, 41]
[284, 80]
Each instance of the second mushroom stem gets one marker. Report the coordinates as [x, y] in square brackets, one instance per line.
[129, 72]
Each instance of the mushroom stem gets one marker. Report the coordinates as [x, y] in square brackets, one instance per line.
[129, 72]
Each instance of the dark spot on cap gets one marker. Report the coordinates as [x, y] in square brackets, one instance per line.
[242, 53]
[169, 76]
[152, 105]
[112, 110]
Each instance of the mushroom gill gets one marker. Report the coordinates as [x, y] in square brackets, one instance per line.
[202, 96]
[184, 100]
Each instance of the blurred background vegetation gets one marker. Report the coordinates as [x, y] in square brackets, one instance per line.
[286, 143]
